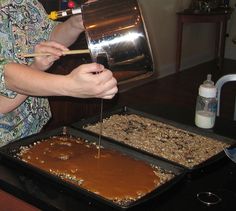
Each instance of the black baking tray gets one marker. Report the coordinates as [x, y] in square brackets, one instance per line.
[34, 178]
[216, 159]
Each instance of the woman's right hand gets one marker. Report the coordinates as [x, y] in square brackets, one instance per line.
[91, 81]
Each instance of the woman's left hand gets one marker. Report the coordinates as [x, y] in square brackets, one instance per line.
[77, 20]
[45, 62]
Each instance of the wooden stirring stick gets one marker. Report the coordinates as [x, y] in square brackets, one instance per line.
[82, 51]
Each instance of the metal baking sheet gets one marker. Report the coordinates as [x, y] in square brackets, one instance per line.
[8, 157]
[127, 110]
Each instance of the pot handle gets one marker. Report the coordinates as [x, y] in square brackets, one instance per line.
[102, 59]
[54, 15]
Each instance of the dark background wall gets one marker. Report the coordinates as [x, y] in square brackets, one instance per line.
[50, 5]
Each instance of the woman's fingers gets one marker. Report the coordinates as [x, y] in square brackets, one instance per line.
[54, 48]
[109, 94]
[107, 85]
[92, 80]
[51, 59]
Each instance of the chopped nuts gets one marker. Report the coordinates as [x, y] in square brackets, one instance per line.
[183, 147]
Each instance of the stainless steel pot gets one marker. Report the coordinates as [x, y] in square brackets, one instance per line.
[116, 35]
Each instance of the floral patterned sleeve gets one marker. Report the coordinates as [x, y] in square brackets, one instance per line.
[43, 26]
[23, 24]
[3, 90]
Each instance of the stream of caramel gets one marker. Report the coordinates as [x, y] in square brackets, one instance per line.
[100, 130]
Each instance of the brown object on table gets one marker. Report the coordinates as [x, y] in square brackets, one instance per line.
[220, 18]
[114, 175]
[9, 202]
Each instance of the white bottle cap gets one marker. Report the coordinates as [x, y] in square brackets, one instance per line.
[207, 89]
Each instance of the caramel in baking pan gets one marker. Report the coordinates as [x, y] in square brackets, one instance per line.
[114, 175]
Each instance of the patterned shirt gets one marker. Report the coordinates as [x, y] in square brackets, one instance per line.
[23, 24]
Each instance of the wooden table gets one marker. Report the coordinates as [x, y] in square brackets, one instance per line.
[172, 97]
[9, 202]
[219, 18]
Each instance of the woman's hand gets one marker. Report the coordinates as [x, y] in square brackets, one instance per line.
[91, 81]
[77, 21]
[40, 63]
[45, 62]
[67, 32]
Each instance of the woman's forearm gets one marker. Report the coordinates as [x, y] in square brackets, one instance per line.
[81, 82]
[27, 81]
[67, 32]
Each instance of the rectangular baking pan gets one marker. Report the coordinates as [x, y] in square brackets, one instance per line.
[127, 110]
[8, 157]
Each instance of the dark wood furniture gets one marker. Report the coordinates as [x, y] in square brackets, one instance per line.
[219, 18]
[10, 202]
